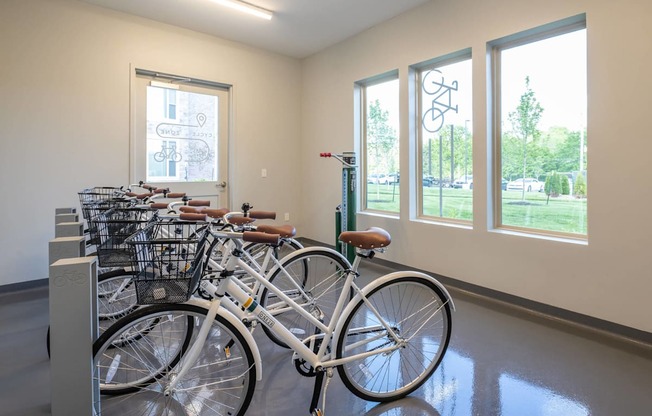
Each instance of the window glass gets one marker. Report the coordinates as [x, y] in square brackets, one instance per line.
[543, 137]
[446, 158]
[182, 139]
[382, 175]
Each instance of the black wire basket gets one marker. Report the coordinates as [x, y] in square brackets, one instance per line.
[109, 230]
[99, 194]
[168, 258]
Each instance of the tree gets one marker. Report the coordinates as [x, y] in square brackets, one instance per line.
[525, 120]
[580, 186]
[553, 186]
[381, 141]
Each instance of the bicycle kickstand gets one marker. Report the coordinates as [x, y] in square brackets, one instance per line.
[319, 379]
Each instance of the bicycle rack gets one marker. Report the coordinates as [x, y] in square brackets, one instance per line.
[73, 324]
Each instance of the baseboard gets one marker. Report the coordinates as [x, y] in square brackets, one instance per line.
[20, 286]
[632, 336]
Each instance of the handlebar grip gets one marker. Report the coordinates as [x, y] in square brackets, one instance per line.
[143, 196]
[159, 205]
[176, 194]
[186, 216]
[131, 194]
[262, 215]
[199, 203]
[159, 190]
[150, 187]
[256, 237]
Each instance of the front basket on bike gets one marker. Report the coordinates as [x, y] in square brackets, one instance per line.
[110, 229]
[168, 258]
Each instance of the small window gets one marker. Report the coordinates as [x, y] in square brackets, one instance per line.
[380, 117]
[541, 177]
[445, 170]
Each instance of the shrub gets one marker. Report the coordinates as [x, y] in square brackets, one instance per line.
[580, 186]
[553, 185]
[565, 186]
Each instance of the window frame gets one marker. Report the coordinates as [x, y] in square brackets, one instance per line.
[361, 90]
[494, 49]
[416, 70]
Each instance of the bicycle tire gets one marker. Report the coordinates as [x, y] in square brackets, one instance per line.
[406, 303]
[258, 250]
[320, 273]
[222, 380]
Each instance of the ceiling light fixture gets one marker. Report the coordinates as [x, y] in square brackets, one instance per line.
[246, 8]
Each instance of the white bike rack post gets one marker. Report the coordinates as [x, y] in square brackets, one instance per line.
[66, 217]
[73, 326]
[69, 229]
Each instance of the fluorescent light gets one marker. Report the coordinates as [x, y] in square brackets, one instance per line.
[246, 8]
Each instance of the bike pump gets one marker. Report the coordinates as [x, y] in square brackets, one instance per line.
[345, 213]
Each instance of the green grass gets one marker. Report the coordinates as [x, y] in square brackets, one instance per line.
[563, 214]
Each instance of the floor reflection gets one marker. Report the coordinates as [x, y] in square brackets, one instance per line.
[518, 397]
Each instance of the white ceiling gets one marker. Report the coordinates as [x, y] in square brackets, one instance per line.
[298, 29]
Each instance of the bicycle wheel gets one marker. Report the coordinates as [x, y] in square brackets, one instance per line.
[258, 251]
[116, 297]
[417, 311]
[314, 279]
[221, 381]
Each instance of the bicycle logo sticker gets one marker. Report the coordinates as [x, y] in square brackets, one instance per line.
[69, 279]
[192, 133]
[434, 85]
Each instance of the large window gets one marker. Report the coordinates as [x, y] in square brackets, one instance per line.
[541, 93]
[381, 144]
[445, 168]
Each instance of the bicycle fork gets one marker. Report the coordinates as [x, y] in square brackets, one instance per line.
[196, 348]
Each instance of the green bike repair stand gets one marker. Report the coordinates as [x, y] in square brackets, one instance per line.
[345, 213]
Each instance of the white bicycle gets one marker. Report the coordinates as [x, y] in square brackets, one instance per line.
[199, 356]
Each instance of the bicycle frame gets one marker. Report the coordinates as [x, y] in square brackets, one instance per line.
[255, 312]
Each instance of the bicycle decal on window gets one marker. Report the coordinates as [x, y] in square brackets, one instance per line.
[433, 84]
[200, 149]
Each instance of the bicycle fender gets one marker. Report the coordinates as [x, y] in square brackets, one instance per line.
[246, 334]
[381, 280]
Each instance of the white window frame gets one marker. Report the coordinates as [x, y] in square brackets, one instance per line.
[494, 49]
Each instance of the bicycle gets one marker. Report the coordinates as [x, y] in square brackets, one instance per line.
[199, 356]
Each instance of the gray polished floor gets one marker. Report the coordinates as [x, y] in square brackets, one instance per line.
[501, 361]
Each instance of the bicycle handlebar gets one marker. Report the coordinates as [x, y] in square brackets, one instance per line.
[339, 157]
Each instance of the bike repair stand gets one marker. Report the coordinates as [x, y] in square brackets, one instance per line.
[345, 213]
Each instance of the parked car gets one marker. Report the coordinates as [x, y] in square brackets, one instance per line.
[379, 178]
[530, 185]
[464, 182]
[394, 177]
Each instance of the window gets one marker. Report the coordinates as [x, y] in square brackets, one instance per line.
[170, 104]
[381, 144]
[541, 177]
[182, 142]
[162, 163]
[445, 168]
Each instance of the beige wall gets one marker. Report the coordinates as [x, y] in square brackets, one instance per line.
[609, 278]
[64, 125]
[64, 114]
